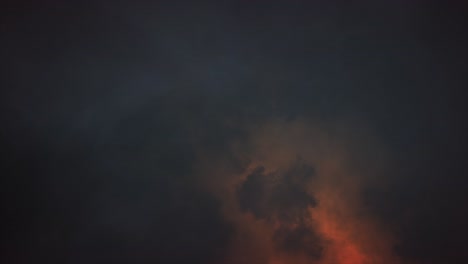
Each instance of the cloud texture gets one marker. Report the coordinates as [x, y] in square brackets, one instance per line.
[233, 133]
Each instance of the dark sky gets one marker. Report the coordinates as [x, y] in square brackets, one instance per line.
[234, 133]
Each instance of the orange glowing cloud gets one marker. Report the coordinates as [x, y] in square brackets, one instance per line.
[334, 224]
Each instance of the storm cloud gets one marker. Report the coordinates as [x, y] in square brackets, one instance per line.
[281, 199]
[233, 133]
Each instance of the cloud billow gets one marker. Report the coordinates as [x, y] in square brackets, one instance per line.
[281, 198]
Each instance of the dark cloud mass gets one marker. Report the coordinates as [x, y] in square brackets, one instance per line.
[281, 199]
[248, 132]
[277, 195]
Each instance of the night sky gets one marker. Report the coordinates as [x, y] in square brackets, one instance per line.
[249, 132]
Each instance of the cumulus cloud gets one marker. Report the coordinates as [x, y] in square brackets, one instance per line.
[233, 133]
[298, 199]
